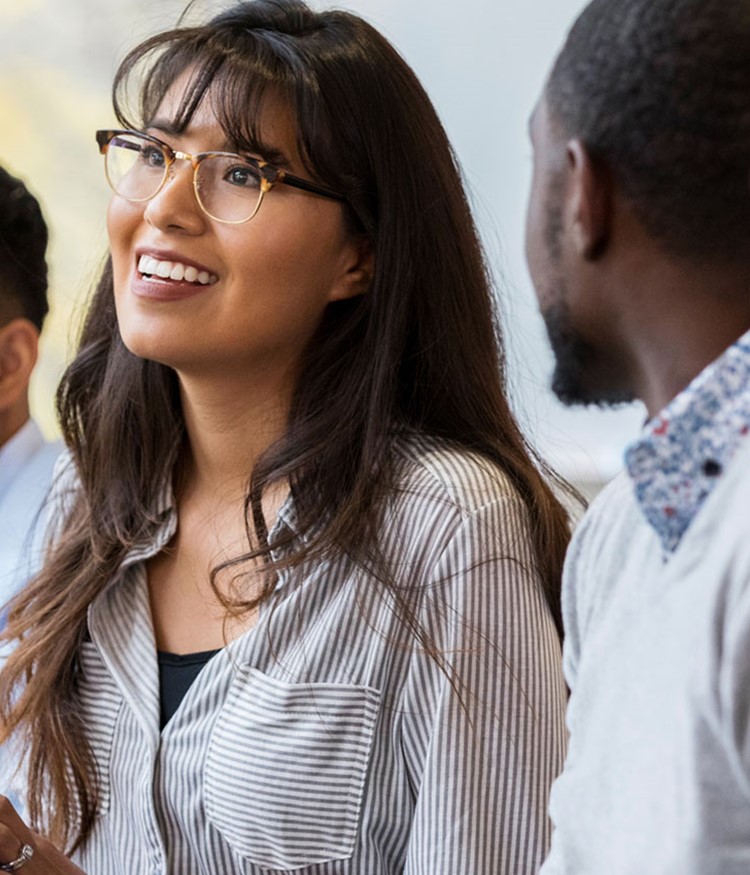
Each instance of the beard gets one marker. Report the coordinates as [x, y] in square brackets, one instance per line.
[583, 374]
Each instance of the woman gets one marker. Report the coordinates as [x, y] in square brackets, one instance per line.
[301, 613]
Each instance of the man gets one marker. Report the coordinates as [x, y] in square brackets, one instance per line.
[638, 242]
[26, 461]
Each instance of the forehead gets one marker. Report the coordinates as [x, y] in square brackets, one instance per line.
[268, 128]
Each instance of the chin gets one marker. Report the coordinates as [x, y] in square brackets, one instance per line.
[583, 374]
[150, 336]
[150, 345]
[570, 386]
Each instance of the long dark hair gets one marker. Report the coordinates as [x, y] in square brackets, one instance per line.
[419, 351]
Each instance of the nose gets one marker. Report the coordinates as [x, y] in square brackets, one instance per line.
[175, 207]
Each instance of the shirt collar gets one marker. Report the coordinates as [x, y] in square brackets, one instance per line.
[164, 513]
[17, 451]
[683, 451]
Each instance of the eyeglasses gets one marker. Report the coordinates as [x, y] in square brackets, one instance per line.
[229, 187]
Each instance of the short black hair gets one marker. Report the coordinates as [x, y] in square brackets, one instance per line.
[23, 245]
[659, 91]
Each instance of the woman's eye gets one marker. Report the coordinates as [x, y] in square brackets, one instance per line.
[152, 156]
[242, 176]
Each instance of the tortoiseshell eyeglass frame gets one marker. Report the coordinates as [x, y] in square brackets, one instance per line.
[269, 175]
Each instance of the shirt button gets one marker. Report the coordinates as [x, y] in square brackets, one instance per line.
[711, 468]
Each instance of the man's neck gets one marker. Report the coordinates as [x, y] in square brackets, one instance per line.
[12, 420]
[678, 320]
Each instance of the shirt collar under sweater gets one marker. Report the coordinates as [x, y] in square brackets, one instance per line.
[684, 449]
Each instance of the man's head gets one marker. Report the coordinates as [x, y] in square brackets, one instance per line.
[646, 112]
[23, 297]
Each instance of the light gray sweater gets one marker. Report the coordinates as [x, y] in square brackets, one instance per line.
[657, 655]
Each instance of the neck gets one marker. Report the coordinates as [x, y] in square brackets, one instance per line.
[12, 420]
[678, 320]
[229, 426]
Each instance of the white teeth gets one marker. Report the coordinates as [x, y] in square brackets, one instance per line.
[174, 270]
[146, 264]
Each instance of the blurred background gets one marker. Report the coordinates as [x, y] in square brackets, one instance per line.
[483, 62]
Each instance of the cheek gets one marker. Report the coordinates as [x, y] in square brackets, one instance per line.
[299, 259]
[122, 220]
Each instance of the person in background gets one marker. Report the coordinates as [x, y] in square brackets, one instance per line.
[301, 613]
[638, 243]
[26, 459]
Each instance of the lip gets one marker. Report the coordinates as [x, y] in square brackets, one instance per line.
[158, 289]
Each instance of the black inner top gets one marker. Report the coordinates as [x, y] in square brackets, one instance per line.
[176, 674]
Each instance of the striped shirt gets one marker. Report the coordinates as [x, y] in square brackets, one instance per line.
[325, 740]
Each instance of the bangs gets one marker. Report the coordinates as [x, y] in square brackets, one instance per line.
[241, 69]
[238, 73]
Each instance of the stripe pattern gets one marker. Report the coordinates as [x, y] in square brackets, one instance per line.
[325, 741]
[306, 746]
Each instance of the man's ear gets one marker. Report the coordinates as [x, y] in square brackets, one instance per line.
[358, 270]
[19, 348]
[590, 201]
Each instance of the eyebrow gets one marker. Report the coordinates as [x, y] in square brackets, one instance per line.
[271, 154]
[274, 156]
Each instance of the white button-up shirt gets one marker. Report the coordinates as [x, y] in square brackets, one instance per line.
[26, 465]
[657, 654]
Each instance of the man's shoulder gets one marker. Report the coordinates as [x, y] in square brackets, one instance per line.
[41, 466]
[30, 486]
[611, 522]
[612, 534]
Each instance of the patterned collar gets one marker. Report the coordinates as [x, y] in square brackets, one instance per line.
[683, 450]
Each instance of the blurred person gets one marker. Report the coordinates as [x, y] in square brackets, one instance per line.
[26, 459]
[302, 611]
[638, 243]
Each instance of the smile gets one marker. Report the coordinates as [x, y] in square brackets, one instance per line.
[174, 270]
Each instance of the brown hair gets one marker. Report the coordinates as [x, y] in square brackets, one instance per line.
[420, 351]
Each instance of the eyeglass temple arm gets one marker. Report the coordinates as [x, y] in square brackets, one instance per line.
[297, 182]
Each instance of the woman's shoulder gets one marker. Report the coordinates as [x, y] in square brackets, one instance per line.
[437, 471]
[451, 508]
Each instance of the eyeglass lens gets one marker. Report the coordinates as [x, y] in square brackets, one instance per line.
[228, 188]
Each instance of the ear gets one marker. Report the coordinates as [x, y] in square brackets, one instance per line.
[19, 348]
[590, 201]
[357, 271]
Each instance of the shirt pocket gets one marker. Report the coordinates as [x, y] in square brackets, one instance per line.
[100, 702]
[286, 769]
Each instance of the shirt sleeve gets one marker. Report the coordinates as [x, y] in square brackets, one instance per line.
[484, 739]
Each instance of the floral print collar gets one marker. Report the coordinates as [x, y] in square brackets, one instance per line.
[684, 449]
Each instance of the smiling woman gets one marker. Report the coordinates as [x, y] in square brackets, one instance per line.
[301, 608]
